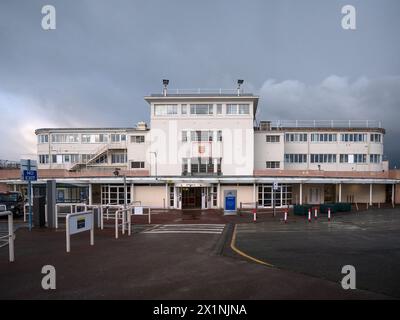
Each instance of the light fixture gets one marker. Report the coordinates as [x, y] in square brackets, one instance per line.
[239, 82]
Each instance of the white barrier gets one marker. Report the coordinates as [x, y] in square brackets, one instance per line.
[9, 238]
[125, 215]
[73, 208]
[26, 211]
[79, 222]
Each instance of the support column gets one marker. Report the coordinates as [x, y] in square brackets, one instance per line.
[370, 194]
[166, 203]
[301, 194]
[219, 195]
[340, 192]
[215, 165]
[254, 194]
[132, 193]
[189, 164]
[90, 194]
[393, 194]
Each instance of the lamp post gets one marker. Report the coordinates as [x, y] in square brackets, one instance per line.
[155, 159]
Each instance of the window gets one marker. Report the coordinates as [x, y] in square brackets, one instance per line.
[353, 158]
[375, 137]
[353, 137]
[117, 137]
[296, 137]
[137, 164]
[374, 158]
[137, 139]
[219, 135]
[118, 158]
[94, 138]
[202, 136]
[165, 109]
[184, 109]
[43, 138]
[64, 138]
[43, 158]
[112, 194]
[273, 138]
[201, 165]
[201, 109]
[323, 137]
[272, 164]
[184, 136]
[295, 158]
[219, 108]
[171, 196]
[86, 157]
[323, 158]
[267, 197]
[237, 109]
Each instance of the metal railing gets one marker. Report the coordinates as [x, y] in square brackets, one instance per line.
[279, 124]
[8, 239]
[202, 91]
[73, 208]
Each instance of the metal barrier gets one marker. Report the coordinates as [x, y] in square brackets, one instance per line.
[99, 214]
[8, 239]
[139, 210]
[125, 216]
[73, 209]
[26, 211]
[247, 207]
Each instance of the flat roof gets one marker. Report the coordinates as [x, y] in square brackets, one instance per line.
[132, 129]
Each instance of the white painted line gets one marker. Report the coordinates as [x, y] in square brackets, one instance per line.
[183, 231]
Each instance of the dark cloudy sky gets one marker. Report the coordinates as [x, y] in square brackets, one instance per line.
[104, 56]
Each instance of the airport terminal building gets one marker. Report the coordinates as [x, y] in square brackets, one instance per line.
[203, 145]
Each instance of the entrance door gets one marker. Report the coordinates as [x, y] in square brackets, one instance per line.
[314, 196]
[191, 198]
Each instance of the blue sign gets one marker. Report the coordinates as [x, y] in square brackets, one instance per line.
[30, 175]
[230, 203]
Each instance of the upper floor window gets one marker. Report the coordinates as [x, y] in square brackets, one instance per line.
[94, 138]
[201, 136]
[237, 109]
[353, 137]
[137, 139]
[43, 158]
[296, 137]
[272, 164]
[219, 135]
[201, 109]
[323, 158]
[118, 158]
[64, 138]
[117, 137]
[137, 164]
[273, 138]
[375, 137]
[353, 158]
[375, 158]
[295, 158]
[184, 109]
[43, 138]
[165, 109]
[323, 137]
[219, 108]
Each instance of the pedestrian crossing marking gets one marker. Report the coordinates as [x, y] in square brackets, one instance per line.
[188, 229]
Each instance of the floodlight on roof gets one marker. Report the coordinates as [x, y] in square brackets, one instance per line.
[239, 82]
[165, 83]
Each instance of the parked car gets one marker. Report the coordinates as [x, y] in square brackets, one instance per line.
[14, 202]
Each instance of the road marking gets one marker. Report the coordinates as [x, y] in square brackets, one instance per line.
[234, 248]
[187, 228]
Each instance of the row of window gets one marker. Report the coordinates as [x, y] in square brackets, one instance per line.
[201, 136]
[89, 138]
[200, 109]
[201, 165]
[328, 158]
[326, 137]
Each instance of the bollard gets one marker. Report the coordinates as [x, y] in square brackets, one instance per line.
[315, 213]
[309, 215]
[329, 214]
[285, 218]
[254, 215]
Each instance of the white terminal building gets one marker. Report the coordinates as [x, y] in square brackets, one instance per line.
[204, 144]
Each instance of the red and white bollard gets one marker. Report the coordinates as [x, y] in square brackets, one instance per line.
[309, 215]
[329, 214]
[315, 213]
[285, 217]
[254, 215]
